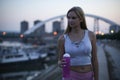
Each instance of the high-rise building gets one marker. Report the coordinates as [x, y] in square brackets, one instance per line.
[62, 24]
[36, 22]
[56, 26]
[41, 29]
[24, 26]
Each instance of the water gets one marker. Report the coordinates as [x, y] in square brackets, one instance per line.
[21, 75]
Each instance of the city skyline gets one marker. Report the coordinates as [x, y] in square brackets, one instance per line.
[15, 11]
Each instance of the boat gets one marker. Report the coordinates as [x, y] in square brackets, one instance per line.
[22, 75]
[17, 58]
[10, 58]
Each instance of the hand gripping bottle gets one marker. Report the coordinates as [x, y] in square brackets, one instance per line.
[66, 68]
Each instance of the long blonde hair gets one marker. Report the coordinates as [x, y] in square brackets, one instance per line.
[79, 12]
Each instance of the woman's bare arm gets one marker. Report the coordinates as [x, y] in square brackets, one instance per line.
[60, 48]
[94, 55]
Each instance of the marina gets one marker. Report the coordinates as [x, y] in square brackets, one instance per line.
[17, 59]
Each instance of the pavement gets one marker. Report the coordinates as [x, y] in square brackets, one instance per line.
[102, 62]
[114, 59]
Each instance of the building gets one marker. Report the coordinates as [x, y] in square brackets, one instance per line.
[56, 26]
[40, 30]
[24, 26]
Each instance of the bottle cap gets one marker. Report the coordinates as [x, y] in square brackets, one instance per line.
[66, 55]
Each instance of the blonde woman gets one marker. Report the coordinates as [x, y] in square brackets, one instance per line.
[80, 43]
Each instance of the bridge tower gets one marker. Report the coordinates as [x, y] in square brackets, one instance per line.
[62, 23]
[96, 25]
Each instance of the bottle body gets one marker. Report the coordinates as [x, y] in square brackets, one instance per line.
[66, 68]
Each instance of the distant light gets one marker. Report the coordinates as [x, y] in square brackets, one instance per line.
[102, 33]
[112, 31]
[21, 36]
[96, 32]
[4, 33]
[99, 32]
[55, 33]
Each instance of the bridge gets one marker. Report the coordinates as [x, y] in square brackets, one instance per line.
[96, 18]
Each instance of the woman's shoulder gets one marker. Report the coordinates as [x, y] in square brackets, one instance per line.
[61, 37]
[91, 34]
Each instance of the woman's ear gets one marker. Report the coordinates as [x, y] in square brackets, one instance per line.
[81, 20]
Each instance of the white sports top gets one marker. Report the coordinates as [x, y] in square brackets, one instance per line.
[80, 52]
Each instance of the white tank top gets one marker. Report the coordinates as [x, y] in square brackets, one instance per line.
[80, 52]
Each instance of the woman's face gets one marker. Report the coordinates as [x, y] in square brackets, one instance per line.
[73, 19]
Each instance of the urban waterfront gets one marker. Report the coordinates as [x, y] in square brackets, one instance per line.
[29, 32]
[19, 61]
[31, 54]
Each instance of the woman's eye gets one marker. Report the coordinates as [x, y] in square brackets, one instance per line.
[72, 17]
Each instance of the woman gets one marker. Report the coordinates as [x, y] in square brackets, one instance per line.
[80, 43]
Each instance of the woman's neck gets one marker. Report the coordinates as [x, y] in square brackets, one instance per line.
[76, 30]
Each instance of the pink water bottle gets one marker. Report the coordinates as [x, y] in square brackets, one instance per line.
[66, 68]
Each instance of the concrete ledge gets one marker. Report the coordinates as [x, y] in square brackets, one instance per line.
[102, 61]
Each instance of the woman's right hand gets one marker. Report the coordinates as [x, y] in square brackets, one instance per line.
[61, 63]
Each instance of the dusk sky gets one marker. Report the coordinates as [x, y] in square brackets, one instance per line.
[12, 12]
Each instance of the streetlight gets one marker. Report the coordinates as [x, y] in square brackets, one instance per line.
[55, 33]
[112, 31]
[21, 36]
[3, 33]
[102, 33]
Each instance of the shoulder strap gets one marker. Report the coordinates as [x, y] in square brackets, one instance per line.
[65, 35]
[87, 33]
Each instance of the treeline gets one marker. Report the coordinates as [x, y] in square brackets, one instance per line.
[112, 36]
